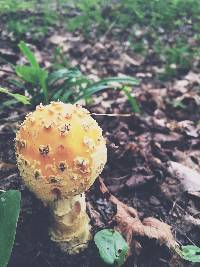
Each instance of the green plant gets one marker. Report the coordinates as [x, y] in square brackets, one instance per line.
[90, 13]
[178, 104]
[177, 58]
[67, 85]
[9, 213]
[59, 60]
[73, 86]
[190, 253]
[149, 17]
[19, 28]
[168, 14]
[36, 26]
[127, 16]
[33, 74]
[14, 5]
[112, 246]
[19, 98]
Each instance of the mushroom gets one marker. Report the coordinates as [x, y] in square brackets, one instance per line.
[60, 152]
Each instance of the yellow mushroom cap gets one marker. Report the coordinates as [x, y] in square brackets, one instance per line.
[60, 151]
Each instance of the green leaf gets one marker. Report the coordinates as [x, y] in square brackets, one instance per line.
[9, 213]
[91, 90]
[8, 103]
[42, 76]
[20, 98]
[74, 86]
[63, 74]
[120, 80]
[190, 253]
[178, 104]
[28, 74]
[28, 54]
[112, 246]
[4, 90]
[33, 74]
[109, 83]
[131, 99]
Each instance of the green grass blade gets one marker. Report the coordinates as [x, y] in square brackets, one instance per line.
[106, 84]
[120, 80]
[28, 54]
[43, 75]
[20, 98]
[90, 91]
[28, 74]
[63, 74]
[131, 99]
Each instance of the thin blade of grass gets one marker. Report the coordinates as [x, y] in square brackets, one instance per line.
[28, 54]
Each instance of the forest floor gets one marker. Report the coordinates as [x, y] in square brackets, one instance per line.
[141, 148]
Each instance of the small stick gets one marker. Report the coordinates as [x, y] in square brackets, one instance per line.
[113, 115]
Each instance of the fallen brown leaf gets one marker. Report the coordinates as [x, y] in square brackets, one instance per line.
[189, 178]
[131, 227]
[94, 216]
[57, 39]
[137, 180]
[189, 128]
[7, 166]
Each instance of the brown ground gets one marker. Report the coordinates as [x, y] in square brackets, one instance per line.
[139, 150]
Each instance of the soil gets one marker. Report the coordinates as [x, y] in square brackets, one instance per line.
[140, 147]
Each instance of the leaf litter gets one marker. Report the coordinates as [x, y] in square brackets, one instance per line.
[149, 196]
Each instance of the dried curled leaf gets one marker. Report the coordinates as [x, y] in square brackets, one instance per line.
[130, 225]
[189, 178]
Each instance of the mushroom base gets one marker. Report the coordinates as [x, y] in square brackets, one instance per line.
[70, 227]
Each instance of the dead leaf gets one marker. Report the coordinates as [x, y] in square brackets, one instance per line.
[160, 231]
[169, 140]
[137, 180]
[143, 75]
[189, 178]
[136, 61]
[195, 194]
[189, 158]
[57, 39]
[6, 70]
[192, 220]
[193, 77]
[181, 85]
[192, 96]
[95, 216]
[189, 128]
[131, 227]
[7, 166]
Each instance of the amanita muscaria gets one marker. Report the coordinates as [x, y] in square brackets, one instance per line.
[60, 152]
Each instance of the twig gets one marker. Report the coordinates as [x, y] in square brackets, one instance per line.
[182, 231]
[113, 115]
[109, 30]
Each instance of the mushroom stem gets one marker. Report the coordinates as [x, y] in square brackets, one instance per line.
[70, 224]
